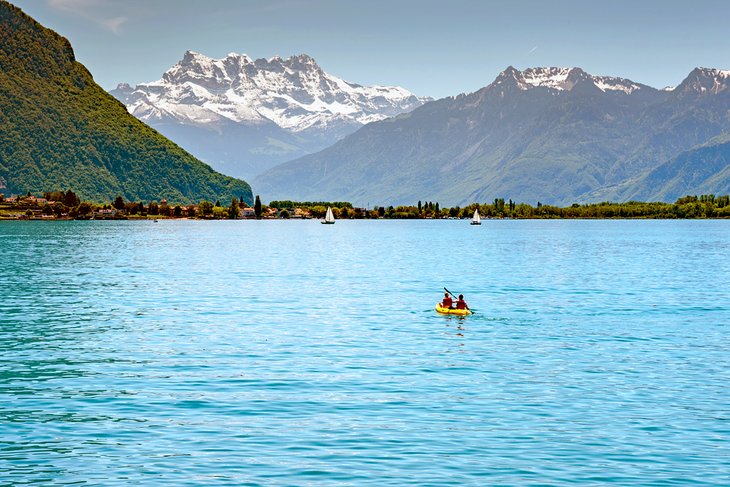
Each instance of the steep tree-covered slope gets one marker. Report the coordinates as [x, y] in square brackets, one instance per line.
[59, 130]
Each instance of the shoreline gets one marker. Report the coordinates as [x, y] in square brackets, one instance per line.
[163, 218]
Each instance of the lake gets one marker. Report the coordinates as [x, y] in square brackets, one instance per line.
[294, 353]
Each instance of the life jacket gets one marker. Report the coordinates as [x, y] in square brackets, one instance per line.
[447, 303]
[461, 304]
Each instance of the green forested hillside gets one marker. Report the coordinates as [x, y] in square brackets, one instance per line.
[60, 130]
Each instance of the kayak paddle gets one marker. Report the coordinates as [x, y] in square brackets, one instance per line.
[454, 295]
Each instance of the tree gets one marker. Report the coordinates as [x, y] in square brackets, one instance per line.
[257, 207]
[119, 203]
[153, 209]
[284, 214]
[177, 211]
[318, 211]
[52, 196]
[233, 209]
[84, 208]
[70, 199]
[419, 207]
[219, 212]
[205, 208]
[59, 209]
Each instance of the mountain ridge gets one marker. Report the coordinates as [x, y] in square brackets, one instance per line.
[555, 135]
[281, 108]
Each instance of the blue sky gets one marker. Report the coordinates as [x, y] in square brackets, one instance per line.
[435, 48]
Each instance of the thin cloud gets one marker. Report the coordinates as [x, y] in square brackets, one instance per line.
[114, 24]
[92, 10]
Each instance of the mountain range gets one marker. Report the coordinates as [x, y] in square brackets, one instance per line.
[60, 130]
[550, 135]
[554, 135]
[244, 116]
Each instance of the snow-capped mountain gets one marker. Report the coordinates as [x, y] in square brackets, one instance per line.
[261, 111]
[705, 81]
[565, 79]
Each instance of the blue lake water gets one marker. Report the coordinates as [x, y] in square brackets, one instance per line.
[294, 353]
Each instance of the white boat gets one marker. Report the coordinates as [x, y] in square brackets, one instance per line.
[329, 218]
[476, 219]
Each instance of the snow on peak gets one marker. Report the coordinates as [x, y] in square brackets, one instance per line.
[610, 83]
[706, 80]
[556, 78]
[564, 79]
[714, 72]
[295, 93]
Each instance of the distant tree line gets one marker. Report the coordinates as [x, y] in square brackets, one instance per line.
[703, 206]
[67, 204]
[308, 204]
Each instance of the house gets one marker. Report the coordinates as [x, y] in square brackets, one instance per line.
[248, 213]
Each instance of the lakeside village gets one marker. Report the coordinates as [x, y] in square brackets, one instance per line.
[67, 206]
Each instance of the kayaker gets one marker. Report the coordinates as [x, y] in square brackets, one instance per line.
[460, 303]
[447, 302]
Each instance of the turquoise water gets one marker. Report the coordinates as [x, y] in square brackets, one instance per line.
[294, 353]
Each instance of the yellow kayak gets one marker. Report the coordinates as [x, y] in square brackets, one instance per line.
[451, 311]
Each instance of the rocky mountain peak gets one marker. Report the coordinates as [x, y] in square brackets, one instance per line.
[562, 79]
[124, 88]
[294, 93]
[705, 81]
[294, 99]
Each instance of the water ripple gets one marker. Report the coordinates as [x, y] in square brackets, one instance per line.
[271, 353]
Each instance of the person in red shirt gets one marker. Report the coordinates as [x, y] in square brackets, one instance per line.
[461, 304]
[447, 302]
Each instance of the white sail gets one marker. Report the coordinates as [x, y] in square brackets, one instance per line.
[476, 219]
[329, 217]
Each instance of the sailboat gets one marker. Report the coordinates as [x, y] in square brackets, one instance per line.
[476, 219]
[329, 217]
